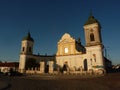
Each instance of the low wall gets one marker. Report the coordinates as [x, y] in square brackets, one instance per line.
[98, 72]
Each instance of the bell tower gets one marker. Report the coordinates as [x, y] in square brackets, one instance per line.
[26, 50]
[27, 45]
[92, 30]
[94, 46]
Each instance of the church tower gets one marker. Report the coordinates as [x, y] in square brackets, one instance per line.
[92, 30]
[27, 45]
[94, 46]
[26, 50]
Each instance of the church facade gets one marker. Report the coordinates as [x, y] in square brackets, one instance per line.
[70, 52]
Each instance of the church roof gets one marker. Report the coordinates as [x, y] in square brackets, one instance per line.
[9, 64]
[91, 20]
[28, 37]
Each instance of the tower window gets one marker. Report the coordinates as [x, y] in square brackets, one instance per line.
[92, 37]
[30, 49]
[23, 49]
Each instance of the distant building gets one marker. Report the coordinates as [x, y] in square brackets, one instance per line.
[70, 53]
[6, 66]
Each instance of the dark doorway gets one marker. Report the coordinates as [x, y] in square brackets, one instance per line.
[64, 67]
[47, 67]
[85, 65]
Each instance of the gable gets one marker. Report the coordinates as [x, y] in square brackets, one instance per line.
[66, 38]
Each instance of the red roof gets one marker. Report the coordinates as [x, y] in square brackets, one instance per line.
[9, 64]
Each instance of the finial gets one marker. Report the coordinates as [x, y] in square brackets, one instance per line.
[29, 33]
[91, 13]
[28, 30]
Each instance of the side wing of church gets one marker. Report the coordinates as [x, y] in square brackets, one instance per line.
[71, 54]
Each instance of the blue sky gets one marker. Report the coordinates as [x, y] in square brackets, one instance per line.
[48, 20]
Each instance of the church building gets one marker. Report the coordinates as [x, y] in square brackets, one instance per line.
[70, 52]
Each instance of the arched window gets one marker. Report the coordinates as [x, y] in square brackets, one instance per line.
[92, 37]
[23, 49]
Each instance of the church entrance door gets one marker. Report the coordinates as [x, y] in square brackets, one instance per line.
[85, 65]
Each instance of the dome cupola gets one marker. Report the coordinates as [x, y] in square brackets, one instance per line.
[28, 37]
[91, 20]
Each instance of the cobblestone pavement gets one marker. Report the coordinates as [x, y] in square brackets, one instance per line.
[64, 82]
[3, 84]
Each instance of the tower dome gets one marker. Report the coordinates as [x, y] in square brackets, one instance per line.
[28, 37]
[91, 20]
